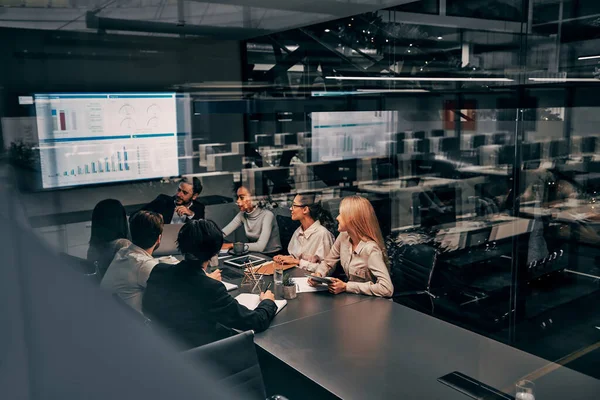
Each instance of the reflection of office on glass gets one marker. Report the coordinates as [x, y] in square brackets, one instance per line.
[442, 154]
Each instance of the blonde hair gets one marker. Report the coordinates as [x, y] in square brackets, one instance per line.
[360, 218]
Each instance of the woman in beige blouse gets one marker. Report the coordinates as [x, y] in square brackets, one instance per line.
[311, 242]
[361, 251]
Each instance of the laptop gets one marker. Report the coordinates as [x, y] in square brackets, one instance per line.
[168, 243]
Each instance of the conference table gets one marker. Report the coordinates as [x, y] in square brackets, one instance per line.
[357, 347]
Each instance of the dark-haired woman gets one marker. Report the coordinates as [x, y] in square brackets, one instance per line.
[188, 303]
[312, 241]
[110, 233]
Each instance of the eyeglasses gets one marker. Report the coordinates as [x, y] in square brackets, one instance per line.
[297, 205]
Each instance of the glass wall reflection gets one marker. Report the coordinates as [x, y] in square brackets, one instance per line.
[471, 126]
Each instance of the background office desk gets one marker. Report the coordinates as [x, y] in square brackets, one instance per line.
[378, 349]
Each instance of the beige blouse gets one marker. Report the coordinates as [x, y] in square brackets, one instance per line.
[364, 267]
[311, 246]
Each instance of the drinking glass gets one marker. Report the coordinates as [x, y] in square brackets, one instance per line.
[525, 390]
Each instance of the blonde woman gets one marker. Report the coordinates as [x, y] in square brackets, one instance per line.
[311, 242]
[360, 250]
[259, 224]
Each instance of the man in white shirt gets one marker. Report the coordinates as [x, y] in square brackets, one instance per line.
[128, 272]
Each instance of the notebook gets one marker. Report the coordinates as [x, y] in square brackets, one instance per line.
[252, 300]
[229, 286]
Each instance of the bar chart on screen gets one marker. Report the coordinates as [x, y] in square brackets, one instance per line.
[90, 138]
[90, 163]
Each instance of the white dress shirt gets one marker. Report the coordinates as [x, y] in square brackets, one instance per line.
[311, 246]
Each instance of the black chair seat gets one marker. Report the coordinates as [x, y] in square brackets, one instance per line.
[233, 362]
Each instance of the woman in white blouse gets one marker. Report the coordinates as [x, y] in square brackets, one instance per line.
[360, 250]
[311, 242]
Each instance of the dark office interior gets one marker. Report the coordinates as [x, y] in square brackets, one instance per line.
[469, 125]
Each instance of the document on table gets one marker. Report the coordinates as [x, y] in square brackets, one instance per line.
[252, 300]
[304, 287]
[229, 286]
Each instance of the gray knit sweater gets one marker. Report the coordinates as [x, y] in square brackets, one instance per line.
[261, 230]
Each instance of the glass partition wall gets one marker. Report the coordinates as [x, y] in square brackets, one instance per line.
[470, 126]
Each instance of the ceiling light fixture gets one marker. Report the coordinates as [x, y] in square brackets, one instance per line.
[565, 80]
[422, 79]
[327, 30]
[440, 38]
[392, 90]
[588, 57]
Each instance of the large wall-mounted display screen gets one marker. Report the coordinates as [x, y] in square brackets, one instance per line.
[350, 134]
[92, 138]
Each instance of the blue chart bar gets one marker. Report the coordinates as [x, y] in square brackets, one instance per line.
[108, 164]
[125, 155]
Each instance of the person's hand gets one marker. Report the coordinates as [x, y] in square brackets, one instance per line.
[216, 274]
[314, 283]
[290, 260]
[267, 295]
[227, 246]
[183, 210]
[337, 286]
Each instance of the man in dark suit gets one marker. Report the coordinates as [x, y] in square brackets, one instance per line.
[182, 207]
[191, 305]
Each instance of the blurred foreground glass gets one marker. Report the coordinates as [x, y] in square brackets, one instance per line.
[525, 390]
[278, 279]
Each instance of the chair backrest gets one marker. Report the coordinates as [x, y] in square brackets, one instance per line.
[413, 266]
[287, 227]
[86, 268]
[232, 361]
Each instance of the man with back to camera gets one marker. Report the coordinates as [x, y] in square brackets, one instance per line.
[188, 304]
[128, 272]
[182, 207]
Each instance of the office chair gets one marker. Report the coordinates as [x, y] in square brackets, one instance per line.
[83, 266]
[287, 227]
[412, 269]
[234, 363]
[133, 313]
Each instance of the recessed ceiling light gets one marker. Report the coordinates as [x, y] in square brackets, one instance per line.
[410, 44]
[565, 80]
[386, 40]
[327, 31]
[440, 38]
[409, 78]
[588, 57]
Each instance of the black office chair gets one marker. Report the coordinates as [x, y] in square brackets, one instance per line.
[133, 313]
[287, 227]
[233, 362]
[83, 266]
[412, 269]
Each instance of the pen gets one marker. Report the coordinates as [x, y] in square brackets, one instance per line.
[268, 286]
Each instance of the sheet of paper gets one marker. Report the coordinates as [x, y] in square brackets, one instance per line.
[252, 300]
[304, 287]
[229, 286]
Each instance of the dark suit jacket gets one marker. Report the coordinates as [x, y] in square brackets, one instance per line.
[190, 305]
[165, 205]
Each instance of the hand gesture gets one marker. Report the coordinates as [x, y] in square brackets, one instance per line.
[337, 286]
[267, 295]
[216, 275]
[183, 210]
[314, 283]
